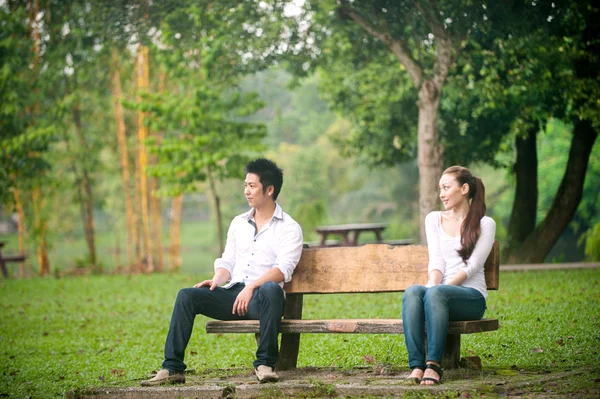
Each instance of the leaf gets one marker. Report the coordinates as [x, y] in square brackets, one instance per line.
[369, 359]
[537, 350]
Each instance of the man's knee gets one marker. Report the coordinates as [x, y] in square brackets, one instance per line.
[271, 291]
[190, 295]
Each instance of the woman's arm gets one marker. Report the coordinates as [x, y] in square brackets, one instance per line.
[436, 265]
[482, 250]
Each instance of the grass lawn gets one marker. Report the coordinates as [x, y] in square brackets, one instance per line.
[75, 333]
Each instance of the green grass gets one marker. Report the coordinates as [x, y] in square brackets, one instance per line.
[75, 333]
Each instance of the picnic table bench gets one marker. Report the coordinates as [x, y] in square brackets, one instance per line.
[9, 258]
[371, 268]
[350, 232]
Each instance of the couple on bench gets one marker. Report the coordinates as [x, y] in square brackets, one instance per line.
[264, 246]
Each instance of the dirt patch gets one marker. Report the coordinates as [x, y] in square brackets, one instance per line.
[366, 382]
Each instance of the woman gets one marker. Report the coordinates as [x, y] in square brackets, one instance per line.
[459, 241]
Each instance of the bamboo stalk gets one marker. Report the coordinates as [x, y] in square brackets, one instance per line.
[124, 158]
[143, 72]
[175, 232]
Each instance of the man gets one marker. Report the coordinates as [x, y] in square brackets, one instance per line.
[262, 250]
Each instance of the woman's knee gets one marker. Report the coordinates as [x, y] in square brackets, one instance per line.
[435, 294]
[414, 292]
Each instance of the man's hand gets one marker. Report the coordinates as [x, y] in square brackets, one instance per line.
[208, 283]
[240, 306]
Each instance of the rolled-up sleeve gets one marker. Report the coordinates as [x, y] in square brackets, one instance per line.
[289, 251]
[483, 247]
[227, 259]
[432, 231]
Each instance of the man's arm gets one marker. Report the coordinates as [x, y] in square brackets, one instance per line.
[240, 306]
[221, 276]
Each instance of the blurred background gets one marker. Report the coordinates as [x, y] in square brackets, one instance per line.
[125, 125]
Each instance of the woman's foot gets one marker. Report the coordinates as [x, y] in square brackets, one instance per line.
[433, 374]
[415, 376]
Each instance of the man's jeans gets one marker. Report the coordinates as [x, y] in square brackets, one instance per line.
[267, 305]
[432, 308]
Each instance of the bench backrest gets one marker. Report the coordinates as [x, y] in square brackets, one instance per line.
[370, 268]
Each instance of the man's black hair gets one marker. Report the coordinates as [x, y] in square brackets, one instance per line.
[268, 172]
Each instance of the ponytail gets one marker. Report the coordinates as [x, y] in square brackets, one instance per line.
[471, 226]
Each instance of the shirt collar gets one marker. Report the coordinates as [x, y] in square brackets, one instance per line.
[277, 215]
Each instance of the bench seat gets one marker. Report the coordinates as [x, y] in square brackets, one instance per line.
[366, 269]
[346, 326]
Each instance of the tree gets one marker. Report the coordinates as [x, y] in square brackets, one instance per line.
[205, 139]
[526, 72]
[424, 37]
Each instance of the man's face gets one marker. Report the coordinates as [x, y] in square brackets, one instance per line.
[253, 190]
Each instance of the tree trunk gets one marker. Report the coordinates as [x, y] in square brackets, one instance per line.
[143, 77]
[124, 155]
[137, 220]
[39, 219]
[174, 233]
[40, 232]
[86, 190]
[217, 204]
[20, 227]
[524, 209]
[538, 244]
[430, 154]
[155, 216]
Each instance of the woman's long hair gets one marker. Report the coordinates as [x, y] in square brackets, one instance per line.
[471, 226]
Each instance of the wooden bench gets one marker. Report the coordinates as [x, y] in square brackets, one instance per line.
[366, 269]
[8, 258]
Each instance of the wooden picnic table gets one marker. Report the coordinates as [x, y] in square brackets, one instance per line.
[9, 258]
[350, 232]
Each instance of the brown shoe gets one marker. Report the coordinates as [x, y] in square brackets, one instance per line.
[266, 374]
[164, 377]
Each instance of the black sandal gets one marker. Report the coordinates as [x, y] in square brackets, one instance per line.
[438, 370]
[414, 380]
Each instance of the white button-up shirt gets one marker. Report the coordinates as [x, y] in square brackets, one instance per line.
[248, 254]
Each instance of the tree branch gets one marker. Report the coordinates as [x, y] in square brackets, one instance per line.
[443, 45]
[396, 46]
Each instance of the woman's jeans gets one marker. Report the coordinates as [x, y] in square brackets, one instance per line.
[432, 308]
[266, 305]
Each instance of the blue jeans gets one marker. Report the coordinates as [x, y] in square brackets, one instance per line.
[432, 308]
[266, 305]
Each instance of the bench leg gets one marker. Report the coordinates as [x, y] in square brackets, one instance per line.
[290, 343]
[451, 352]
[3, 267]
[288, 355]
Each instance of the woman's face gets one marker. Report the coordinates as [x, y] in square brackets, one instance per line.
[451, 193]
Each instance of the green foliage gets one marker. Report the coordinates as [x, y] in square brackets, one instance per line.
[592, 243]
[83, 332]
[206, 135]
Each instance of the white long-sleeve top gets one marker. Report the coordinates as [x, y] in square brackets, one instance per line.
[443, 255]
[248, 254]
